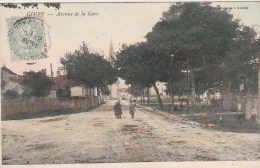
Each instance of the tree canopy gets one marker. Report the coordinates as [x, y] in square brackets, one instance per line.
[27, 5]
[39, 84]
[89, 68]
[209, 37]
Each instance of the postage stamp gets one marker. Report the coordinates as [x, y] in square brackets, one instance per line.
[27, 38]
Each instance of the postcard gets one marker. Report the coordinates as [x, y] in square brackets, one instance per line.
[147, 84]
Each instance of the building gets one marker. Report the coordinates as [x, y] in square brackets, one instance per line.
[11, 81]
[124, 93]
[114, 88]
[61, 81]
[161, 88]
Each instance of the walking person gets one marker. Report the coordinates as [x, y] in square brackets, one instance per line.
[132, 108]
[118, 109]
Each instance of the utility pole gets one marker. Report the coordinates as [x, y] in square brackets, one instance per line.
[171, 85]
[188, 85]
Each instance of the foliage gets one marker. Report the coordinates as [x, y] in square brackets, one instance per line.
[11, 94]
[27, 5]
[105, 90]
[246, 49]
[142, 65]
[88, 67]
[200, 32]
[26, 94]
[38, 83]
[3, 84]
[63, 92]
[134, 90]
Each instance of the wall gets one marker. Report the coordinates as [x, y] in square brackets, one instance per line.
[250, 107]
[13, 107]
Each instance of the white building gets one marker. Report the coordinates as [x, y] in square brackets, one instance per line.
[161, 88]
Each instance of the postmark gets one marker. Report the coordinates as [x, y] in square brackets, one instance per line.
[27, 38]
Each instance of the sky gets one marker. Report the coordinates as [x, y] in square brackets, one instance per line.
[123, 23]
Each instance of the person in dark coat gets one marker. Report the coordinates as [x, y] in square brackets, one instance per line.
[118, 109]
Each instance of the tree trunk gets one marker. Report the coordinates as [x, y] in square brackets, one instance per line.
[258, 100]
[98, 97]
[192, 88]
[99, 92]
[148, 96]
[158, 95]
[102, 95]
[227, 104]
[143, 96]
[172, 97]
[90, 97]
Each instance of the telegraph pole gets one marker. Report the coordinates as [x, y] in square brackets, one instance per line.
[188, 86]
[171, 86]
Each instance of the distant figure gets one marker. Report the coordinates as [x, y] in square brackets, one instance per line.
[132, 108]
[118, 109]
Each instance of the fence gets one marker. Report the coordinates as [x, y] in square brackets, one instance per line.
[251, 107]
[37, 105]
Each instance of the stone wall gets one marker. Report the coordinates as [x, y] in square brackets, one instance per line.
[13, 107]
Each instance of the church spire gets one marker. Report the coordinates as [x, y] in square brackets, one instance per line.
[111, 52]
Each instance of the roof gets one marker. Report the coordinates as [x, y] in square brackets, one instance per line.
[123, 90]
[8, 70]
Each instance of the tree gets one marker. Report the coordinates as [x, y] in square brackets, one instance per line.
[200, 32]
[222, 53]
[105, 90]
[88, 67]
[39, 84]
[142, 65]
[27, 5]
[11, 94]
[3, 84]
[63, 92]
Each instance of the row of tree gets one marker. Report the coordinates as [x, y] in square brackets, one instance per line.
[197, 40]
[221, 52]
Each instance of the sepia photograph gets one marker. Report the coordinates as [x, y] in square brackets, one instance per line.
[88, 83]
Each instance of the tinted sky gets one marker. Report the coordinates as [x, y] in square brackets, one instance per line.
[122, 22]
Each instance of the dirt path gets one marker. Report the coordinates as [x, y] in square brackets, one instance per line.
[96, 136]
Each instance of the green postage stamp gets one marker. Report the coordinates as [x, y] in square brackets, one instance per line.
[27, 38]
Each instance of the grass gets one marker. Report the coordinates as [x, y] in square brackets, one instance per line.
[231, 123]
[187, 110]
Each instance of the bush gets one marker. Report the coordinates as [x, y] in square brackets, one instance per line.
[11, 94]
[3, 84]
[26, 95]
[63, 93]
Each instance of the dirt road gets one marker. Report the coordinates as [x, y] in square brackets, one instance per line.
[97, 136]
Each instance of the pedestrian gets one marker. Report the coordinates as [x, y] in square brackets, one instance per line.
[132, 108]
[118, 109]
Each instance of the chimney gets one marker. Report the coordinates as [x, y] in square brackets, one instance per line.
[51, 70]
[58, 72]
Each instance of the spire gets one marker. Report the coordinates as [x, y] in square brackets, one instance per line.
[51, 70]
[111, 51]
